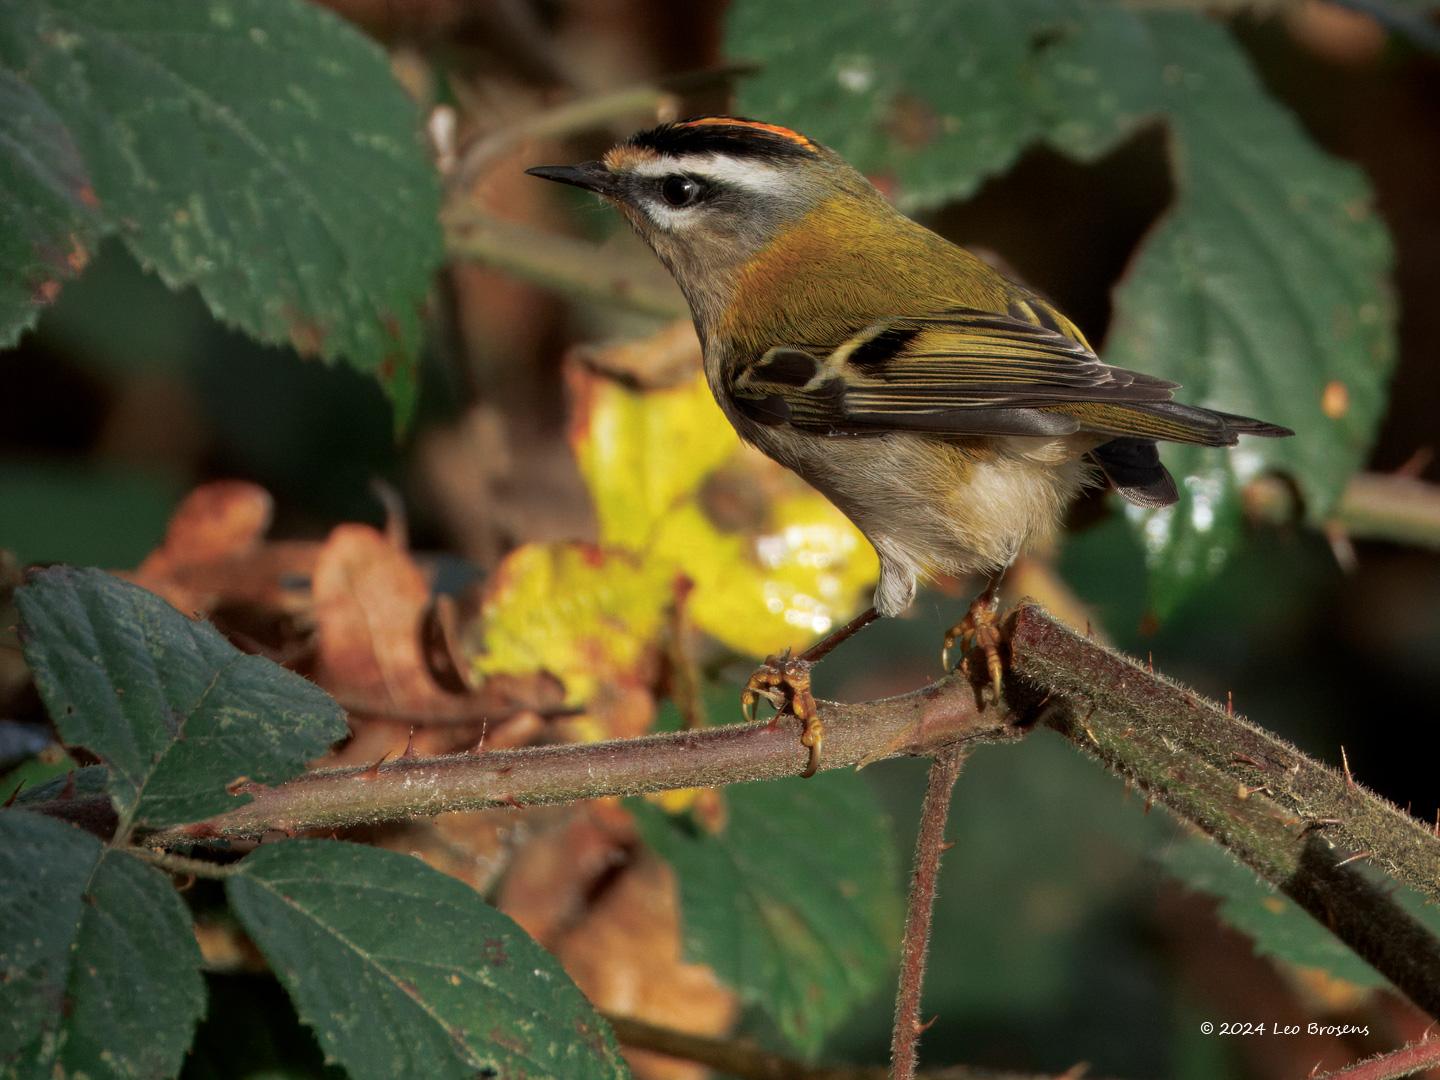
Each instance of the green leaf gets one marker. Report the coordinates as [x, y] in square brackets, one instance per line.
[1277, 925]
[795, 903]
[1263, 291]
[48, 224]
[173, 709]
[99, 971]
[402, 971]
[257, 149]
[926, 99]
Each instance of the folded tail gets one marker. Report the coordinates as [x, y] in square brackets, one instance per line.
[1132, 462]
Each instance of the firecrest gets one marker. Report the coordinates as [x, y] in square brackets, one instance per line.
[949, 412]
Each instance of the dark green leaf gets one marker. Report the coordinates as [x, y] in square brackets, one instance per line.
[1265, 285]
[1264, 290]
[258, 149]
[99, 971]
[48, 224]
[927, 99]
[173, 709]
[402, 971]
[1276, 924]
[795, 903]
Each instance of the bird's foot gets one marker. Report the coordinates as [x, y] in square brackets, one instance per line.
[784, 681]
[979, 630]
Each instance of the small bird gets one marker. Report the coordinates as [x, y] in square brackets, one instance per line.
[949, 412]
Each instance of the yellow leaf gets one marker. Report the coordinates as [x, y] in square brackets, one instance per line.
[642, 453]
[589, 617]
[773, 563]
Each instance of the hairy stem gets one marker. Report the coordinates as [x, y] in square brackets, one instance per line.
[1306, 828]
[917, 723]
[1407, 1061]
[905, 1041]
[1297, 823]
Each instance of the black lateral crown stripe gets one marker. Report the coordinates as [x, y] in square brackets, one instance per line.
[871, 356]
[739, 139]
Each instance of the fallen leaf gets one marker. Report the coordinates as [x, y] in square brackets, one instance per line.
[214, 554]
[590, 617]
[774, 564]
[625, 954]
[369, 600]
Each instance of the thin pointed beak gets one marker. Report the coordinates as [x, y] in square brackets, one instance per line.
[590, 175]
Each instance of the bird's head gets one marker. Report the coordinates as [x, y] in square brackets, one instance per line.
[709, 194]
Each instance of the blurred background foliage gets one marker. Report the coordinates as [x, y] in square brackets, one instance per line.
[1242, 201]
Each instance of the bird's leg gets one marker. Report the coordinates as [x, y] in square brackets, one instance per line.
[784, 681]
[979, 630]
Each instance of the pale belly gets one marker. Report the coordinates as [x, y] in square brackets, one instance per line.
[937, 507]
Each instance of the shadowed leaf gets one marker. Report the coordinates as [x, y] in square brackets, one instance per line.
[795, 902]
[48, 223]
[402, 971]
[1277, 925]
[257, 149]
[101, 974]
[173, 709]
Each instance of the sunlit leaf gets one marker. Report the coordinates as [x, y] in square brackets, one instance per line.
[643, 454]
[795, 903]
[587, 616]
[773, 563]
[403, 971]
[257, 149]
[173, 709]
[99, 971]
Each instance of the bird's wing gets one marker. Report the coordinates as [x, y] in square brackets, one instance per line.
[958, 371]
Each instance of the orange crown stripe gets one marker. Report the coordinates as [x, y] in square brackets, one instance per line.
[730, 121]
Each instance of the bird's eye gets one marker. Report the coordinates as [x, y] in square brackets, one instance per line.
[679, 190]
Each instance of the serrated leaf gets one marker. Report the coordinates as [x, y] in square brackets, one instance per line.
[1276, 924]
[1264, 290]
[48, 224]
[795, 903]
[403, 971]
[173, 709]
[257, 149]
[99, 970]
[927, 100]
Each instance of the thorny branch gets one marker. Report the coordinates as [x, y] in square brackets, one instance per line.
[1407, 1061]
[929, 845]
[1299, 824]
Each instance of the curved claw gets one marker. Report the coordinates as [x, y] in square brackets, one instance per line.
[979, 630]
[785, 682]
[813, 739]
